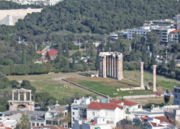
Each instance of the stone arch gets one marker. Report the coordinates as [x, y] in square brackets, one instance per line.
[21, 106]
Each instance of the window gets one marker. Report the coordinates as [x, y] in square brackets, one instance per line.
[65, 113]
[93, 113]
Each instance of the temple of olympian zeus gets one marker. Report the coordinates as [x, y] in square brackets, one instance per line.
[111, 65]
[21, 100]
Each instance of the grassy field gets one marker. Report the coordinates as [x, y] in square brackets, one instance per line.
[163, 83]
[132, 79]
[52, 84]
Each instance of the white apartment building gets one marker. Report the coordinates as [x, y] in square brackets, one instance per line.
[142, 31]
[177, 19]
[105, 113]
[174, 36]
[78, 109]
[163, 32]
[176, 95]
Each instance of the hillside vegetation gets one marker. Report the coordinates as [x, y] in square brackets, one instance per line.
[61, 23]
[98, 16]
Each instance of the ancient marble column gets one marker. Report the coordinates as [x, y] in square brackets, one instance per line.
[108, 68]
[101, 66]
[25, 96]
[109, 65]
[120, 67]
[115, 69]
[19, 96]
[142, 76]
[104, 67]
[13, 95]
[154, 78]
[30, 96]
[112, 66]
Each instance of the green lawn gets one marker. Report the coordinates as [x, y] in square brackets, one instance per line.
[132, 78]
[50, 83]
[162, 82]
[47, 83]
[110, 90]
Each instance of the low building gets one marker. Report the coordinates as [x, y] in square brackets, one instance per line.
[177, 95]
[157, 122]
[105, 113]
[163, 32]
[9, 121]
[78, 109]
[142, 31]
[58, 115]
[174, 36]
[47, 53]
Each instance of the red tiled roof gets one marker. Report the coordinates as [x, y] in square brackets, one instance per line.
[52, 53]
[175, 31]
[99, 106]
[155, 125]
[127, 103]
[1, 124]
[162, 119]
[38, 52]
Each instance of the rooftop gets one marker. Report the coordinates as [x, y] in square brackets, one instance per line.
[175, 31]
[100, 106]
[126, 103]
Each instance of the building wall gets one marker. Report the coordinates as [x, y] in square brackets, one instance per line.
[176, 96]
[108, 115]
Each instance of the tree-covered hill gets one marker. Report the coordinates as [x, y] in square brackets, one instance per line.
[61, 23]
[98, 16]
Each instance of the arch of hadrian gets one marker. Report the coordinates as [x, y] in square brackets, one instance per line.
[111, 65]
[21, 100]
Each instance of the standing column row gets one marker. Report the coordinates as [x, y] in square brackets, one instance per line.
[19, 94]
